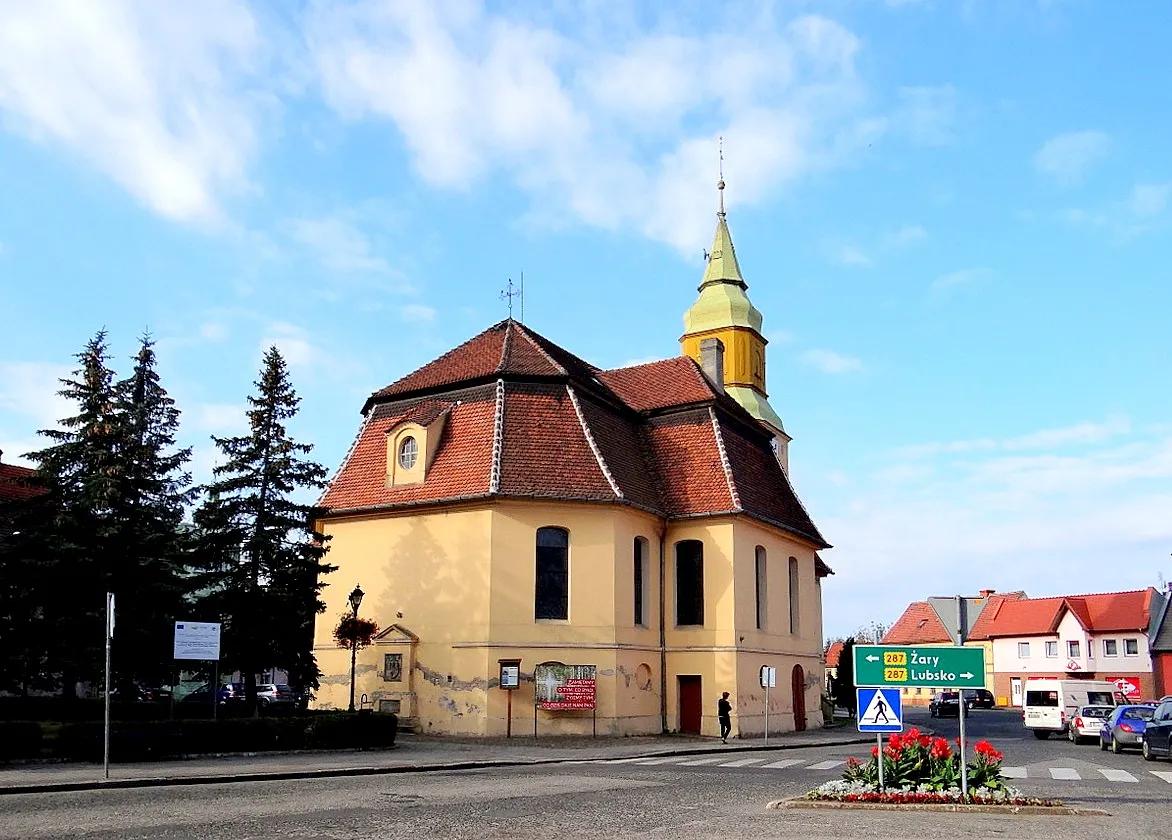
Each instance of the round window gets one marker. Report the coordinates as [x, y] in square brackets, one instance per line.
[408, 452]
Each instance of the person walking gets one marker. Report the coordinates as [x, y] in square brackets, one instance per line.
[724, 715]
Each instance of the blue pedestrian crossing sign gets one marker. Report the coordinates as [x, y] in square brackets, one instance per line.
[880, 709]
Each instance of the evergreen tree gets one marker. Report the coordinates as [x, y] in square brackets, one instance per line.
[23, 657]
[844, 680]
[260, 558]
[82, 472]
[148, 518]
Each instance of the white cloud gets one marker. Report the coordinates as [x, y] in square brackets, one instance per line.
[1034, 511]
[417, 313]
[213, 331]
[1143, 210]
[1082, 434]
[338, 244]
[907, 236]
[852, 255]
[1149, 199]
[293, 343]
[927, 114]
[218, 418]
[150, 93]
[828, 361]
[475, 93]
[29, 389]
[1067, 157]
[957, 278]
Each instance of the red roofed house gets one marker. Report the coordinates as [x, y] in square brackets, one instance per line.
[510, 502]
[833, 654]
[921, 625]
[1102, 636]
[16, 483]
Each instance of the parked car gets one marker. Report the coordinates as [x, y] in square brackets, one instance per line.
[1157, 737]
[1124, 727]
[1087, 722]
[268, 694]
[231, 692]
[945, 704]
[979, 698]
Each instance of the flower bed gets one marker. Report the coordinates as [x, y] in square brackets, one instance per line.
[921, 770]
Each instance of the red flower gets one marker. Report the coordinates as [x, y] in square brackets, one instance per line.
[895, 742]
[875, 751]
[913, 734]
[987, 751]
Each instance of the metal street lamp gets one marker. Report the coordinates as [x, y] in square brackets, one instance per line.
[355, 602]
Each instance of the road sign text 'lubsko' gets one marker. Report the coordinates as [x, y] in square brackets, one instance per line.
[937, 667]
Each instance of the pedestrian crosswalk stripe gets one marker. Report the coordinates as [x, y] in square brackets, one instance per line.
[697, 762]
[1117, 775]
[785, 762]
[637, 759]
[1163, 774]
[671, 759]
[1013, 772]
[744, 762]
[1064, 773]
[824, 765]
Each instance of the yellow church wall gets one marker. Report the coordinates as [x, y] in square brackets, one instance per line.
[744, 355]
[463, 580]
[403, 564]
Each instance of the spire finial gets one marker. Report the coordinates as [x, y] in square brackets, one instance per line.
[720, 183]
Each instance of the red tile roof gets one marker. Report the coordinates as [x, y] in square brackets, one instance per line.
[17, 483]
[980, 629]
[670, 382]
[919, 625]
[1099, 613]
[832, 654]
[506, 349]
[529, 419]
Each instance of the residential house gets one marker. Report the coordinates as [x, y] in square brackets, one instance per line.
[1100, 636]
[833, 654]
[1160, 643]
[510, 505]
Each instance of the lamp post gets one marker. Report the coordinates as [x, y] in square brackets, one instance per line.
[355, 602]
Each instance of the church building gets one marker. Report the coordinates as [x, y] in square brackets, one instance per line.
[552, 548]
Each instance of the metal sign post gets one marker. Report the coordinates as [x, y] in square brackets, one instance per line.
[879, 758]
[106, 729]
[768, 680]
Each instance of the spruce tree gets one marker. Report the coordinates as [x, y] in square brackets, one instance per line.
[844, 680]
[24, 663]
[148, 524]
[261, 560]
[82, 472]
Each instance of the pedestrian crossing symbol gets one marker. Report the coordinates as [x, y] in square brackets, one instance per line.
[880, 710]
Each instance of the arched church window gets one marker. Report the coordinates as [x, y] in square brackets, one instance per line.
[552, 596]
[690, 583]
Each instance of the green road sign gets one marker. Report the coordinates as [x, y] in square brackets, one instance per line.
[936, 667]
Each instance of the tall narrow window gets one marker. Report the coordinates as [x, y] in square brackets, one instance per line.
[551, 599]
[690, 582]
[640, 581]
[761, 589]
[794, 605]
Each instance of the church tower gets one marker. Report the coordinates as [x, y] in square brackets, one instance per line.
[724, 312]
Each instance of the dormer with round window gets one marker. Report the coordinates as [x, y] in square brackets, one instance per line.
[412, 442]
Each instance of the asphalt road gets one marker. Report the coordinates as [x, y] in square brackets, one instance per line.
[680, 797]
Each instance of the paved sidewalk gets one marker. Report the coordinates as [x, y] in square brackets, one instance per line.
[412, 753]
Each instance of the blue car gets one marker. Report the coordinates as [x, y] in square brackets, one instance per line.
[1124, 727]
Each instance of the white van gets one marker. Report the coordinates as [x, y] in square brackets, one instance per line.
[1050, 703]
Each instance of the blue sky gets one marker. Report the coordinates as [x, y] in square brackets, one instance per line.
[954, 216]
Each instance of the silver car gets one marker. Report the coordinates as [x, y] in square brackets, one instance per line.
[1087, 722]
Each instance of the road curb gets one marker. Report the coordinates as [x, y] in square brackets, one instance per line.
[374, 770]
[800, 803]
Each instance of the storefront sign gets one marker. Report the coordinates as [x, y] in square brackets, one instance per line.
[565, 687]
[1128, 686]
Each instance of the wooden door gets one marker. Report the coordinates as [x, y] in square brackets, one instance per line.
[691, 704]
[798, 685]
